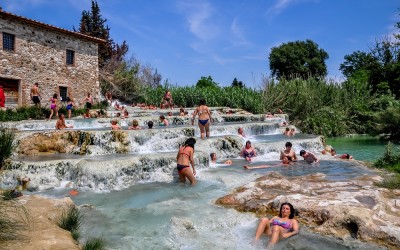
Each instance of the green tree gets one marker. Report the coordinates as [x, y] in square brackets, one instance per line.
[93, 24]
[206, 82]
[237, 84]
[302, 59]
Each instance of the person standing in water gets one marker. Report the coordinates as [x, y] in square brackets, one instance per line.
[279, 227]
[204, 118]
[184, 158]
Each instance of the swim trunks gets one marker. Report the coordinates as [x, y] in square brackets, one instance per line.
[88, 105]
[35, 99]
[69, 106]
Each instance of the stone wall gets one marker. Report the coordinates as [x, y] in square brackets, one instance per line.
[40, 56]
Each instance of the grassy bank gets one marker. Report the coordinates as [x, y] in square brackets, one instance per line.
[390, 161]
[31, 112]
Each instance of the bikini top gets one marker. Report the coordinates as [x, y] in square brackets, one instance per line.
[53, 101]
[201, 111]
[284, 224]
[247, 154]
[182, 152]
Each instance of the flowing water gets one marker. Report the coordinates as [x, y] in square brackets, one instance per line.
[150, 212]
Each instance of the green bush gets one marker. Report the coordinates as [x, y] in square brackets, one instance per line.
[71, 220]
[94, 244]
[7, 137]
[390, 161]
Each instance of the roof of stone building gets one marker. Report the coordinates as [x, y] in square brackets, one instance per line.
[50, 27]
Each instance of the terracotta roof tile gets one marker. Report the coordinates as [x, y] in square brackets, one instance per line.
[50, 27]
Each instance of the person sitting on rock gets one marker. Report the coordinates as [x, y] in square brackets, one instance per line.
[288, 151]
[213, 157]
[87, 114]
[309, 157]
[279, 227]
[61, 123]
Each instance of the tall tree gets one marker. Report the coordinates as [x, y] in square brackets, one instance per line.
[237, 84]
[302, 59]
[206, 82]
[93, 24]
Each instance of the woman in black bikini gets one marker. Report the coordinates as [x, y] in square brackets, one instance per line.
[204, 118]
[184, 158]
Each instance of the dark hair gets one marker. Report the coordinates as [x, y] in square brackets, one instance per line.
[347, 156]
[37, 84]
[190, 142]
[162, 117]
[212, 154]
[248, 142]
[302, 152]
[291, 216]
[202, 102]
[150, 124]
[287, 129]
[55, 96]
[288, 144]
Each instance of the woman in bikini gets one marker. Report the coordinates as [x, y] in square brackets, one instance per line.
[70, 104]
[184, 158]
[248, 151]
[282, 226]
[287, 160]
[53, 106]
[204, 118]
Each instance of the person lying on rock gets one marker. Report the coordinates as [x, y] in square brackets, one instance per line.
[344, 156]
[309, 157]
[279, 227]
[286, 160]
[213, 157]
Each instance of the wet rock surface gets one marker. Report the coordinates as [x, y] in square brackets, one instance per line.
[353, 209]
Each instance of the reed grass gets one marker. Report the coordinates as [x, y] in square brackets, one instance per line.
[14, 218]
[94, 244]
[7, 137]
[71, 220]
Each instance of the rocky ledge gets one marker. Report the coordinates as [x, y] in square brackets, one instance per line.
[41, 231]
[343, 209]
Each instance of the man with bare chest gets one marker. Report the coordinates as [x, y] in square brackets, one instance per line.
[288, 152]
[35, 95]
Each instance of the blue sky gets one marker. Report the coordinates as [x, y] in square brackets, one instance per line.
[187, 39]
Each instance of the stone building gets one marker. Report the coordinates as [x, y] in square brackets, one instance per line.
[61, 61]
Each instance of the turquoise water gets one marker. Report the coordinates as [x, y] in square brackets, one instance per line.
[363, 148]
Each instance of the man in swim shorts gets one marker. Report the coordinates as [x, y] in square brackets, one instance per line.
[35, 95]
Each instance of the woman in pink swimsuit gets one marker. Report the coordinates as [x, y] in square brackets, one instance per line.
[53, 106]
[282, 226]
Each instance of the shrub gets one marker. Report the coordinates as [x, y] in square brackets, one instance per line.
[390, 159]
[71, 220]
[94, 244]
[7, 137]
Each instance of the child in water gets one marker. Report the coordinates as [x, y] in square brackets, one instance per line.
[114, 125]
[163, 121]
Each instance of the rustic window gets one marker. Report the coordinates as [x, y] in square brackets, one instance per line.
[70, 57]
[63, 93]
[8, 41]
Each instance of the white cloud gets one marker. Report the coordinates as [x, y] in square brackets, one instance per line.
[238, 33]
[281, 5]
[199, 15]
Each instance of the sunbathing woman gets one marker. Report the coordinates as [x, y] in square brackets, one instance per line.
[184, 158]
[204, 118]
[248, 151]
[282, 226]
[287, 160]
